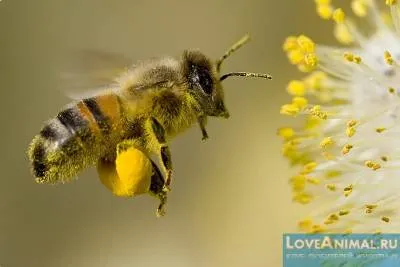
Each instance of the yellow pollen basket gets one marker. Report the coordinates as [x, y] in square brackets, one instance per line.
[129, 176]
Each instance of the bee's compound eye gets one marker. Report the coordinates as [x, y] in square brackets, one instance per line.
[201, 77]
[205, 81]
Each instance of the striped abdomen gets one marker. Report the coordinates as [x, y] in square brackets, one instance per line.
[75, 139]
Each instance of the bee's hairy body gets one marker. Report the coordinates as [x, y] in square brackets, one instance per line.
[120, 129]
[89, 130]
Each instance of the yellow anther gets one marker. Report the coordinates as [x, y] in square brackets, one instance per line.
[371, 206]
[325, 11]
[372, 165]
[315, 79]
[380, 129]
[385, 219]
[338, 15]
[296, 87]
[294, 142]
[350, 131]
[295, 157]
[388, 58]
[290, 151]
[391, 90]
[311, 60]
[343, 34]
[349, 56]
[296, 56]
[298, 183]
[303, 198]
[305, 68]
[290, 109]
[357, 59]
[347, 190]
[351, 123]
[346, 149]
[315, 229]
[346, 194]
[328, 221]
[333, 217]
[299, 102]
[300, 52]
[344, 212]
[305, 225]
[316, 112]
[314, 181]
[384, 158]
[306, 44]
[326, 142]
[286, 133]
[348, 231]
[391, 2]
[332, 174]
[323, 2]
[331, 187]
[290, 44]
[291, 146]
[359, 7]
[309, 167]
[311, 123]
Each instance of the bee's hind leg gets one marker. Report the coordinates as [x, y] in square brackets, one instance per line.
[162, 196]
[156, 188]
[165, 153]
[157, 180]
[202, 120]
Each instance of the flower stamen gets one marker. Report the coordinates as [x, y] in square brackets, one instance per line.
[347, 146]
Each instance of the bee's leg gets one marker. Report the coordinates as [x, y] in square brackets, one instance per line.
[157, 180]
[202, 120]
[156, 188]
[165, 153]
[162, 196]
[126, 144]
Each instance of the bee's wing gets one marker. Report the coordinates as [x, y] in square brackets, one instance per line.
[89, 72]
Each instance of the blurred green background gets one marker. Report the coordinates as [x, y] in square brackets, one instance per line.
[230, 202]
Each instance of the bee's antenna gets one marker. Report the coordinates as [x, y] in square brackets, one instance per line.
[232, 49]
[246, 74]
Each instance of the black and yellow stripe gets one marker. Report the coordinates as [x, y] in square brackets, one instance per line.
[71, 135]
[72, 120]
[38, 160]
[100, 118]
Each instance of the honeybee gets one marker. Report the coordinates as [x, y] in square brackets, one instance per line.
[120, 129]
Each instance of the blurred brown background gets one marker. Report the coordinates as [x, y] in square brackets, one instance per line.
[230, 202]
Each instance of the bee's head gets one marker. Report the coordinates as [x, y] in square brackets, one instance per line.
[204, 79]
[204, 84]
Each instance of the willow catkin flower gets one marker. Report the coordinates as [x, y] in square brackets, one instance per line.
[348, 149]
